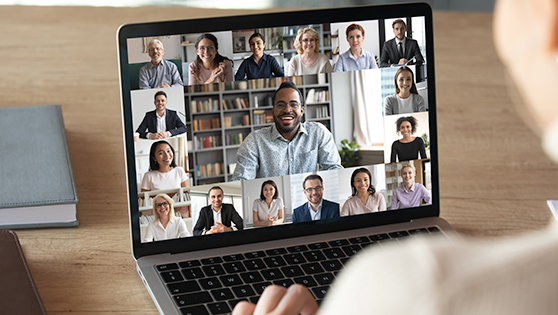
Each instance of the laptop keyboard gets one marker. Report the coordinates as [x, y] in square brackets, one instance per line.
[215, 285]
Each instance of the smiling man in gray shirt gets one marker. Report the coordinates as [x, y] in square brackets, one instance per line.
[289, 146]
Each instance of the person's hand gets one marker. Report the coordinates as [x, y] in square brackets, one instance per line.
[219, 228]
[158, 135]
[277, 300]
[403, 61]
[164, 85]
[214, 77]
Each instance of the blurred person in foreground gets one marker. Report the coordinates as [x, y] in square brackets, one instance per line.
[515, 275]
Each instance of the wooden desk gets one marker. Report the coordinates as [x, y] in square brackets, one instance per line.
[495, 178]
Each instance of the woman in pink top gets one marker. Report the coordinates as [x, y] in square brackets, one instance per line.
[209, 66]
[365, 199]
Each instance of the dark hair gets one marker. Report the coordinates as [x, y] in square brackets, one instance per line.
[397, 22]
[312, 177]
[256, 35]
[289, 85]
[371, 188]
[218, 58]
[160, 93]
[213, 188]
[353, 27]
[153, 165]
[412, 120]
[398, 72]
[272, 183]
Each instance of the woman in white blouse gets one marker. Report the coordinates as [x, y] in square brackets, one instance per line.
[268, 209]
[166, 224]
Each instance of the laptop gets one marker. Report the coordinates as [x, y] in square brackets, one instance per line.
[202, 118]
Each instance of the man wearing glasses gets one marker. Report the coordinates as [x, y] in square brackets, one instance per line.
[158, 73]
[289, 146]
[316, 208]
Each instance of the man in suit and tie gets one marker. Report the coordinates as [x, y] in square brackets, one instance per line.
[316, 208]
[217, 217]
[401, 49]
[162, 122]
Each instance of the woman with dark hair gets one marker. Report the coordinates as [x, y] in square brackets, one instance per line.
[356, 58]
[166, 224]
[209, 66]
[408, 147]
[259, 65]
[163, 172]
[406, 98]
[268, 209]
[364, 198]
[309, 59]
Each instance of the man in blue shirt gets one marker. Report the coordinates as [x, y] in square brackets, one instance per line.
[316, 208]
[289, 146]
[158, 73]
[259, 65]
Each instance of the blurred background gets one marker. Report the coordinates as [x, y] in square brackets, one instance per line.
[448, 5]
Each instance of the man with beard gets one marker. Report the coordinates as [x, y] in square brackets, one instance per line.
[158, 73]
[289, 146]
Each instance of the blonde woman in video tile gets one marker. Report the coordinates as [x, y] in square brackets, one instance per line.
[166, 224]
[409, 194]
[309, 60]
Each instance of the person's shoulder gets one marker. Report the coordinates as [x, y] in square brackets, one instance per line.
[146, 66]
[390, 41]
[314, 125]
[418, 139]
[300, 208]
[391, 97]
[168, 63]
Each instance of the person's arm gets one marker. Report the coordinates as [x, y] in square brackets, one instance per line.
[279, 219]
[425, 195]
[416, 52]
[339, 64]
[393, 152]
[381, 202]
[176, 79]
[200, 224]
[290, 68]
[326, 68]
[247, 160]
[275, 68]
[178, 126]
[422, 149]
[328, 156]
[255, 217]
[346, 209]
[384, 56]
[228, 72]
[191, 78]
[142, 129]
[418, 100]
[241, 73]
[388, 103]
[182, 229]
[279, 300]
[149, 233]
[394, 200]
[237, 220]
[144, 79]
[373, 64]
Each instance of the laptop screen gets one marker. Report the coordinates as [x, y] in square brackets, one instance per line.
[244, 129]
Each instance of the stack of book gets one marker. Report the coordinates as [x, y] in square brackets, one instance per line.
[207, 124]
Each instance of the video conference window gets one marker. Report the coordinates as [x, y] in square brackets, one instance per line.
[246, 129]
